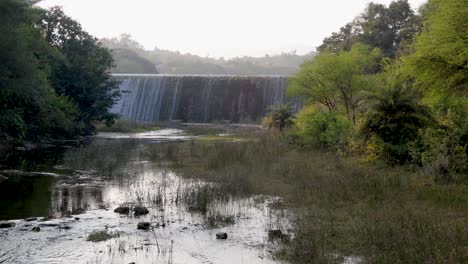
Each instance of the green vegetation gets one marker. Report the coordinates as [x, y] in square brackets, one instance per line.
[127, 126]
[405, 109]
[341, 206]
[99, 236]
[386, 28]
[54, 76]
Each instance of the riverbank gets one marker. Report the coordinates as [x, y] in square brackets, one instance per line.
[340, 207]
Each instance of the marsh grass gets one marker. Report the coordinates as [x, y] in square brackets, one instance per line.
[341, 206]
[99, 236]
[128, 126]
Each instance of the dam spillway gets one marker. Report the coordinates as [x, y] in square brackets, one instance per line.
[199, 98]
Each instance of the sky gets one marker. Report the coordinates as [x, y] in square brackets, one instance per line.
[218, 28]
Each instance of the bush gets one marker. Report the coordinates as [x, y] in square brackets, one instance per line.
[324, 129]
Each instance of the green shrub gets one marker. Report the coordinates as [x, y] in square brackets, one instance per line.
[324, 129]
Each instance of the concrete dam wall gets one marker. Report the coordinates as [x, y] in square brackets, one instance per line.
[200, 98]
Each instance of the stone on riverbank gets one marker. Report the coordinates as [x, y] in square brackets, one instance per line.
[140, 210]
[122, 210]
[6, 224]
[221, 235]
[144, 225]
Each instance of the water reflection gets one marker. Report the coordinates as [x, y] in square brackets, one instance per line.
[95, 179]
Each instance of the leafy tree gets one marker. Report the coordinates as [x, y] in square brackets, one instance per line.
[341, 41]
[83, 72]
[26, 96]
[386, 28]
[336, 81]
[439, 55]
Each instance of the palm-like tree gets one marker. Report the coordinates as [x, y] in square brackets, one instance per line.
[395, 117]
[282, 117]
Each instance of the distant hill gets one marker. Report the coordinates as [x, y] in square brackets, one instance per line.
[131, 57]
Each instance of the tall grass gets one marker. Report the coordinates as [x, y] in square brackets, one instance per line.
[342, 207]
[127, 126]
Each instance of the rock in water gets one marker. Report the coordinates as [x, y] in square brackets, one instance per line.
[221, 235]
[6, 224]
[36, 229]
[140, 210]
[122, 210]
[144, 225]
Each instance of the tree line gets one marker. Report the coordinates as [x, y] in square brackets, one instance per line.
[131, 57]
[392, 85]
[54, 76]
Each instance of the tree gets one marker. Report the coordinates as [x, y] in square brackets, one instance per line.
[336, 81]
[341, 41]
[29, 107]
[281, 117]
[396, 114]
[386, 28]
[83, 72]
[439, 56]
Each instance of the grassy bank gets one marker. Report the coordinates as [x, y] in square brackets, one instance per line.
[128, 126]
[341, 206]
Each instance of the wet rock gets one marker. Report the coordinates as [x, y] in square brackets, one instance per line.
[144, 225]
[30, 219]
[6, 224]
[36, 229]
[221, 235]
[49, 224]
[122, 210]
[77, 218]
[132, 263]
[140, 210]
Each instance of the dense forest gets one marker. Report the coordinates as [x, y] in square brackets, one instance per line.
[54, 76]
[131, 57]
[396, 80]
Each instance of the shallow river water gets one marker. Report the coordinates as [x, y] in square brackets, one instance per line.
[71, 202]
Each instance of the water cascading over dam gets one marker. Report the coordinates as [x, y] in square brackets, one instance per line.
[199, 98]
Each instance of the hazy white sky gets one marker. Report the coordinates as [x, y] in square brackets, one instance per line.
[218, 28]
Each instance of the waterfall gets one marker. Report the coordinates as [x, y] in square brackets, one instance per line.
[199, 98]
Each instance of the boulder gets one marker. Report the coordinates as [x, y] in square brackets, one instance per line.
[122, 210]
[221, 235]
[140, 210]
[6, 224]
[36, 229]
[144, 225]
